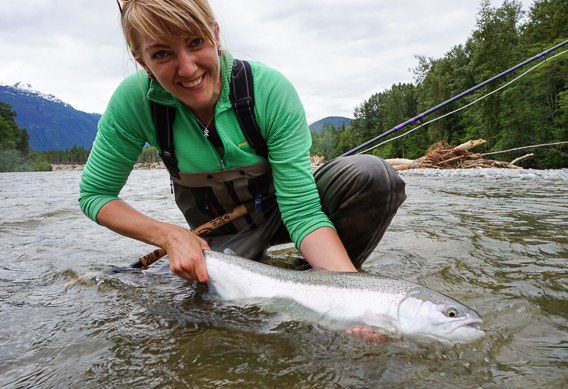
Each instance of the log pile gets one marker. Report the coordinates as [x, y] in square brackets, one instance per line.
[317, 161]
[444, 156]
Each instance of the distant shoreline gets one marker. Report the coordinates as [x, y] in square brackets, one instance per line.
[61, 167]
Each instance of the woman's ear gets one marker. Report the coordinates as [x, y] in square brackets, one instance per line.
[143, 64]
[216, 34]
[139, 60]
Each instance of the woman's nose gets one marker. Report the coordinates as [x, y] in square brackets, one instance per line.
[186, 65]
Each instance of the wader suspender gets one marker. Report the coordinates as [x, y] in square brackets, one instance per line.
[242, 97]
[164, 117]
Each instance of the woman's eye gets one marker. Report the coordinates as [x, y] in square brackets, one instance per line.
[197, 42]
[159, 54]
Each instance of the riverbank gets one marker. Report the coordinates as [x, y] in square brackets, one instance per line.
[78, 167]
[316, 162]
[497, 174]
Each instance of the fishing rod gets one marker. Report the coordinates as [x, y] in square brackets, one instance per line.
[447, 102]
[202, 230]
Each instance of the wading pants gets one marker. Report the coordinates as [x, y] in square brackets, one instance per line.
[360, 195]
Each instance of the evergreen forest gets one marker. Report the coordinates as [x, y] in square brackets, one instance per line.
[15, 153]
[532, 110]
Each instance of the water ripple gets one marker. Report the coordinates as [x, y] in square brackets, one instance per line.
[499, 246]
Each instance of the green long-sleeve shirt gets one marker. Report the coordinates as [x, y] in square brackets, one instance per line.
[127, 125]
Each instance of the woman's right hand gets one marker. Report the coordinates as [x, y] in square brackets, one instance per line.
[185, 250]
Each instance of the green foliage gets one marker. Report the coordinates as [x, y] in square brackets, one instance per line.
[382, 112]
[12, 161]
[532, 110]
[548, 21]
[6, 135]
[495, 49]
[75, 155]
[337, 121]
[325, 143]
[563, 104]
[14, 142]
[149, 154]
[38, 163]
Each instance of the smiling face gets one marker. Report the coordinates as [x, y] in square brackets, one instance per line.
[187, 67]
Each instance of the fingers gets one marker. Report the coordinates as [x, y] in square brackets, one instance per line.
[185, 251]
[200, 269]
[368, 335]
[189, 265]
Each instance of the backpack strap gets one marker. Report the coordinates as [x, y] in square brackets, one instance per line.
[163, 117]
[242, 97]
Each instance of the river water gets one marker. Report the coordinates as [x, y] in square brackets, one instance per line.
[498, 246]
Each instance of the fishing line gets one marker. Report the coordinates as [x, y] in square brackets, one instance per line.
[465, 106]
[467, 92]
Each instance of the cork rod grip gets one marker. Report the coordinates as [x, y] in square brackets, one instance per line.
[202, 230]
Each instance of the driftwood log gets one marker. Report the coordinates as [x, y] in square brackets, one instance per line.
[514, 161]
[444, 156]
[317, 161]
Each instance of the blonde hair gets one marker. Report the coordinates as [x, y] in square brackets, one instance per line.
[164, 19]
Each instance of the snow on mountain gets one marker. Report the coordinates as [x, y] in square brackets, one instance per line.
[26, 89]
[52, 124]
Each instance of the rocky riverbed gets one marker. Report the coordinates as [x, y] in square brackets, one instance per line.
[77, 167]
[497, 174]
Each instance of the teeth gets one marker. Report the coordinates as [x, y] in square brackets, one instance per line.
[192, 84]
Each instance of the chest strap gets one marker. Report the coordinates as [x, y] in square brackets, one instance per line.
[241, 95]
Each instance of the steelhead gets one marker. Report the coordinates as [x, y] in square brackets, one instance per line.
[342, 300]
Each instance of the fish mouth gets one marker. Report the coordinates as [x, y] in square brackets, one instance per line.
[473, 324]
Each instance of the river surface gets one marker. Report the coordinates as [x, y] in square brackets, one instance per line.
[498, 246]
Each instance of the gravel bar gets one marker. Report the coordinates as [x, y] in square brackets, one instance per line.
[497, 174]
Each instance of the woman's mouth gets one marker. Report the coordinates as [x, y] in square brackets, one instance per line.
[192, 84]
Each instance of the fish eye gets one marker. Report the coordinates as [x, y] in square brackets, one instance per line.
[451, 312]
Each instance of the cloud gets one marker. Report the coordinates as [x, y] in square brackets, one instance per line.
[337, 53]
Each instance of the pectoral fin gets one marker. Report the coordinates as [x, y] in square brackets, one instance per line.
[382, 323]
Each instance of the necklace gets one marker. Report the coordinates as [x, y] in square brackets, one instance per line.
[205, 128]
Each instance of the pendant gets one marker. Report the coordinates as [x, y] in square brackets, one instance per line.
[206, 133]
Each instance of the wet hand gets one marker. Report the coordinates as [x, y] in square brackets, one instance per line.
[367, 334]
[185, 250]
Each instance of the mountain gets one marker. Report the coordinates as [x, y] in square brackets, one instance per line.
[51, 123]
[337, 121]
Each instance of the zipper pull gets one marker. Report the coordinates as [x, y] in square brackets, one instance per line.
[222, 164]
[172, 185]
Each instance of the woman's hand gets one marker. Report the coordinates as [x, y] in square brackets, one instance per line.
[185, 249]
[368, 335]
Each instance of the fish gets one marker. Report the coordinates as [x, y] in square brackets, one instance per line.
[341, 300]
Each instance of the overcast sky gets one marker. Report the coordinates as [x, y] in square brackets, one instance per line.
[337, 53]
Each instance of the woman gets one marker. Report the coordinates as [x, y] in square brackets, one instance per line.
[176, 42]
